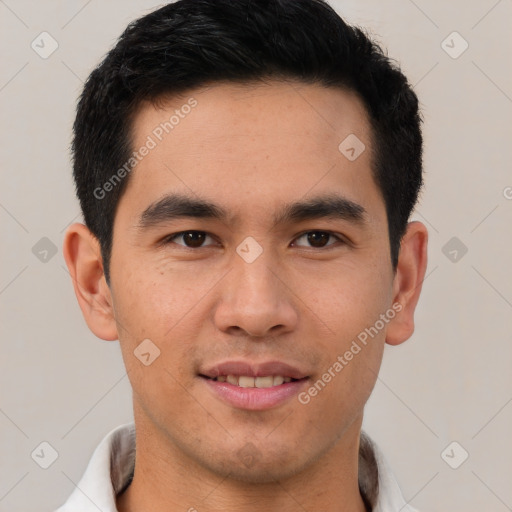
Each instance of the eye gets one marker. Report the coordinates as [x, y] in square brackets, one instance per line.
[317, 239]
[197, 239]
[190, 239]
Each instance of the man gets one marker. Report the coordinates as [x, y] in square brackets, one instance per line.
[246, 171]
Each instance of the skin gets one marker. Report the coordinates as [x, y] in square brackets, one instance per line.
[250, 149]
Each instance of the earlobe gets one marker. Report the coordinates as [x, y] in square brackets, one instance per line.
[407, 284]
[83, 259]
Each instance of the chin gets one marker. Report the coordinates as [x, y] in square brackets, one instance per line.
[254, 465]
[268, 473]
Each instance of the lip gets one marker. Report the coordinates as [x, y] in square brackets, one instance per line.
[252, 369]
[255, 399]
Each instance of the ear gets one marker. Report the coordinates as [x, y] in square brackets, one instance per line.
[407, 283]
[83, 259]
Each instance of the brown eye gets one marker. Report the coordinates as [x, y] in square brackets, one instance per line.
[194, 238]
[191, 239]
[317, 239]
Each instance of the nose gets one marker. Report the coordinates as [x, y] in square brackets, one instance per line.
[254, 301]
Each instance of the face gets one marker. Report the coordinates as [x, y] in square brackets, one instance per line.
[251, 251]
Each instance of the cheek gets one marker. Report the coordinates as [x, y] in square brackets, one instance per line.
[158, 306]
[348, 308]
[337, 394]
[344, 298]
[165, 305]
[154, 299]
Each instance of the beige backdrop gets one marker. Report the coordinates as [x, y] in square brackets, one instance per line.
[451, 383]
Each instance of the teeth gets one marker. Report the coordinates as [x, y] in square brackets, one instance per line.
[245, 381]
[278, 380]
[232, 380]
[264, 382]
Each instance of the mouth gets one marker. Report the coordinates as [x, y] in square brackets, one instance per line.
[246, 381]
[254, 386]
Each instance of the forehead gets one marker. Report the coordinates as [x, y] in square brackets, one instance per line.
[294, 110]
[254, 145]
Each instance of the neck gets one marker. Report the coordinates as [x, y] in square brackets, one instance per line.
[166, 479]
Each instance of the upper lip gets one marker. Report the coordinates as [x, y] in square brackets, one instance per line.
[251, 369]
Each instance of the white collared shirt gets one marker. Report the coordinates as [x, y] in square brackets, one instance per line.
[111, 468]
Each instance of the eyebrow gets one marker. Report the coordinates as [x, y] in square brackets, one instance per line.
[176, 206]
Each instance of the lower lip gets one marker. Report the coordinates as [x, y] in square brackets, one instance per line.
[255, 399]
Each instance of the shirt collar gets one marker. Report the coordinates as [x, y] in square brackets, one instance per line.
[110, 471]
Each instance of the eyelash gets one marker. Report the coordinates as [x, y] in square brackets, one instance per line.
[170, 238]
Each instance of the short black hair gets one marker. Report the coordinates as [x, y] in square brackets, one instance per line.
[192, 43]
